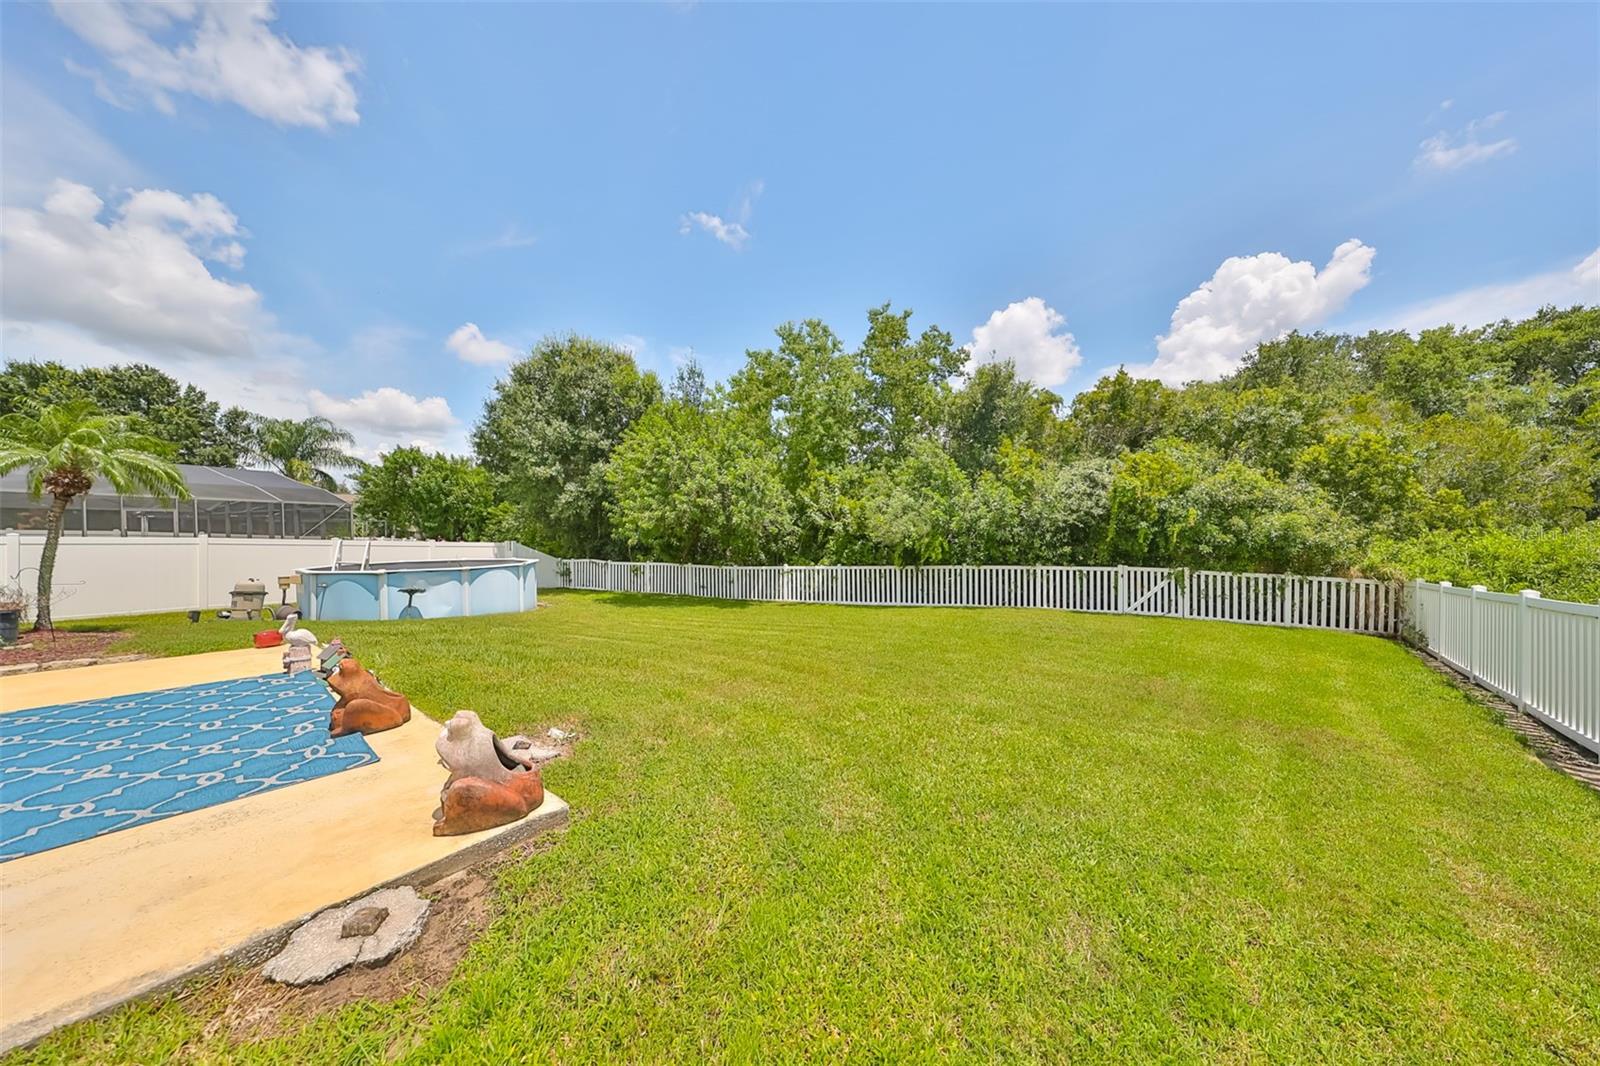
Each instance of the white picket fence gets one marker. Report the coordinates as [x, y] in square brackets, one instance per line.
[1542, 654]
[1357, 605]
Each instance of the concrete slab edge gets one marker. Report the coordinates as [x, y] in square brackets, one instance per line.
[65, 664]
[553, 813]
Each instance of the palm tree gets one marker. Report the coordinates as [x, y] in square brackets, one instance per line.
[304, 449]
[65, 447]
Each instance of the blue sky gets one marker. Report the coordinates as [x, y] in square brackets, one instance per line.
[363, 210]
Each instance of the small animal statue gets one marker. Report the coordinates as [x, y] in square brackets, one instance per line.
[488, 786]
[329, 658]
[364, 706]
[293, 635]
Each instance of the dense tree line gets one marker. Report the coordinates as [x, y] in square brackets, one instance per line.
[181, 422]
[192, 427]
[1460, 454]
[1434, 454]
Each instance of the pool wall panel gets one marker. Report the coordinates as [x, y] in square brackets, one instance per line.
[347, 595]
[441, 600]
[448, 592]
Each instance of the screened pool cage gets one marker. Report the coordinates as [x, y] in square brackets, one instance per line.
[226, 503]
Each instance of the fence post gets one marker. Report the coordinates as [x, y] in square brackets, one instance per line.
[1444, 598]
[1186, 611]
[202, 570]
[1472, 632]
[783, 585]
[1122, 589]
[1525, 646]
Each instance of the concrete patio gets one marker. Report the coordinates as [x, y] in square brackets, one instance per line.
[91, 924]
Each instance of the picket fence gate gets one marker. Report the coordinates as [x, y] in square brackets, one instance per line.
[1356, 605]
[1544, 655]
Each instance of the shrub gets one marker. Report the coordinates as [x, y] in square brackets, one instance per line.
[1561, 564]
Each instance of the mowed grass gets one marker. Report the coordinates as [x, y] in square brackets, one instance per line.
[814, 833]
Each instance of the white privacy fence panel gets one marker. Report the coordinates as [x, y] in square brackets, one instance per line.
[1357, 605]
[112, 574]
[1542, 654]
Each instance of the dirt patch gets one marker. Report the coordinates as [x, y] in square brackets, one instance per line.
[57, 645]
[252, 1008]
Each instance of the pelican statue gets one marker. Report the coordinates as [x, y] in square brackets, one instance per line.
[299, 638]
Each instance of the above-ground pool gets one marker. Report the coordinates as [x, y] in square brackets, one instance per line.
[429, 588]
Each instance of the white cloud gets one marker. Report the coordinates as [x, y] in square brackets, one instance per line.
[1031, 334]
[1452, 151]
[1587, 273]
[733, 234]
[1563, 287]
[220, 50]
[1248, 300]
[471, 346]
[141, 278]
[102, 85]
[730, 231]
[387, 411]
[92, 285]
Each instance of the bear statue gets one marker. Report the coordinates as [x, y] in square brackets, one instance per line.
[364, 705]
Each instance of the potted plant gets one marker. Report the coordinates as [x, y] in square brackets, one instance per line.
[13, 606]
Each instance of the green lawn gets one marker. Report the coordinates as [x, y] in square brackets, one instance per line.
[810, 833]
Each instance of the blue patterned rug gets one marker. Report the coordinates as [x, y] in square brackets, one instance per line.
[76, 770]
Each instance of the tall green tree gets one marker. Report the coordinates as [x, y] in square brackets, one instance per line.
[908, 512]
[439, 497]
[810, 394]
[695, 485]
[995, 405]
[64, 449]
[197, 429]
[1371, 477]
[1326, 365]
[908, 380]
[1121, 413]
[1266, 427]
[306, 449]
[548, 431]
[1565, 344]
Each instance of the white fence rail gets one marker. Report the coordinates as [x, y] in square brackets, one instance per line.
[1357, 605]
[99, 575]
[1542, 654]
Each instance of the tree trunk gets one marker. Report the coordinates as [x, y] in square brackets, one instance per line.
[47, 561]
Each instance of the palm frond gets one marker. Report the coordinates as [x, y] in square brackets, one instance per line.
[78, 437]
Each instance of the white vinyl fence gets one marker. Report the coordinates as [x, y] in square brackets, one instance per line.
[110, 574]
[1542, 654]
[1356, 605]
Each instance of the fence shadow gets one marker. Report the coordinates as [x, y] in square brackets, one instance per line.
[663, 602]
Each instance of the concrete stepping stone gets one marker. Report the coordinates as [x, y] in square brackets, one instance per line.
[366, 932]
